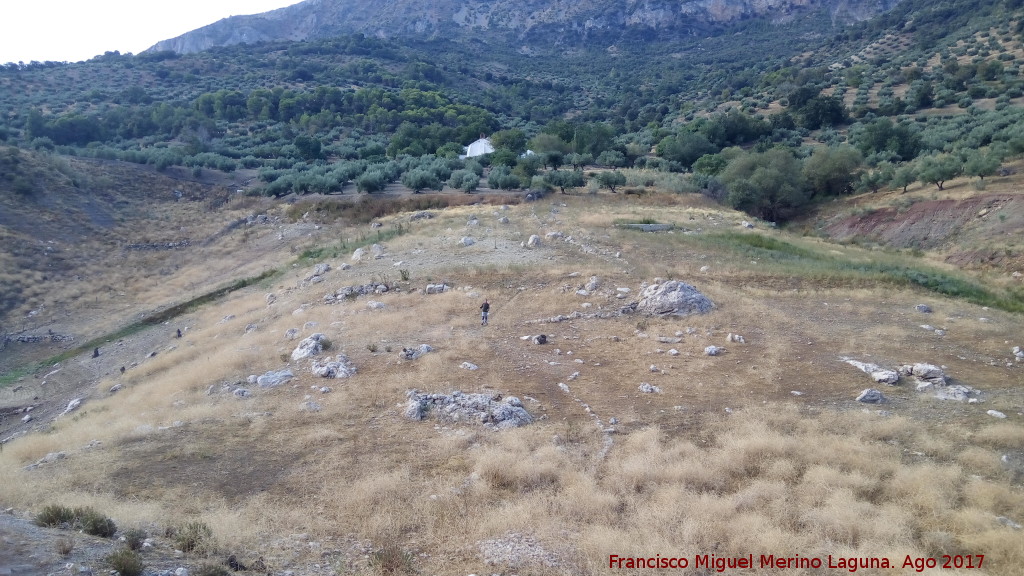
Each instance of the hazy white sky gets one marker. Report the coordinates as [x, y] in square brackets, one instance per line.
[75, 30]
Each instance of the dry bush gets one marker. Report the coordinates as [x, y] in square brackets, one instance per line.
[1004, 435]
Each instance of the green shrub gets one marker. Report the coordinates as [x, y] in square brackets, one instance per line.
[127, 562]
[92, 522]
[134, 537]
[82, 518]
[55, 515]
[193, 537]
[392, 559]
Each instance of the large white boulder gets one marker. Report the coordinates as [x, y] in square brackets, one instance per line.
[673, 298]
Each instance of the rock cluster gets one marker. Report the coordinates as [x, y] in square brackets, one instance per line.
[348, 292]
[318, 273]
[340, 367]
[491, 410]
[376, 251]
[872, 396]
[673, 298]
[414, 353]
[274, 378]
[877, 373]
[311, 346]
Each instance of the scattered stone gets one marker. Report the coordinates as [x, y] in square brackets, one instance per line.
[574, 376]
[414, 353]
[436, 288]
[926, 373]
[533, 242]
[746, 224]
[421, 215]
[957, 392]
[491, 410]
[375, 305]
[311, 406]
[796, 393]
[311, 346]
[647, 388]
[340, 367]
[359, 254]
[273, 379]
[519, 552]
[271, 298]
[673, 352]
[653, 368]
[72, 405]
[26, 419]
[927, 327]
[593, 284]
[473, 221]
[877, 373]
[291, 334]
[667, 340]
[503, 220]
[467, 241]
[377, 250]
[1008, 522]
[672, 298]
[704, 269]
[923, 308]
[241, 392]
[713, 351]
[1018, 353]
[469, 366]
[996, 414]
[321, 269]
[48, 459]
[735, 338]
[352, 292]
[564, 387]
[540, 339]
[871, 396]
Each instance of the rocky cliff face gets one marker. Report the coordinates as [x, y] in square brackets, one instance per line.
[533, 19]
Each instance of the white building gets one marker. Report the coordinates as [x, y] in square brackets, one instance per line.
[478, 148]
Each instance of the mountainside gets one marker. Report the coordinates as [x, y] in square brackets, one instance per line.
[557, 20]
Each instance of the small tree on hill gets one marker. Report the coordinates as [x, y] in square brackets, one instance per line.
[938, 169]
[563, 179]
[611, 179]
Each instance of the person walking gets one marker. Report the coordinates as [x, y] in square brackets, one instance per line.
[485, 309]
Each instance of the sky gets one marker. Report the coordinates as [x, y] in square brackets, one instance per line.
[76, 30]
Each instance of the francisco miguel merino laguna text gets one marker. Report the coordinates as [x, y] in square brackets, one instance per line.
[848, 564]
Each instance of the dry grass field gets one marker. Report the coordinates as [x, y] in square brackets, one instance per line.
[759, 451]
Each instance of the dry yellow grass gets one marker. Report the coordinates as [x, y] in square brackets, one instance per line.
[780, 474]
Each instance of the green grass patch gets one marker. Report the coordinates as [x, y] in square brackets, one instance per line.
[786, 257]
[645, 220]
[342, 248]
[151, 320]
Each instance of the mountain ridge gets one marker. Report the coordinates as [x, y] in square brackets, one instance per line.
[551, 21]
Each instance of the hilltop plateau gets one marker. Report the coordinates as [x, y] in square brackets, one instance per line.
[754, 276]
[638, 442]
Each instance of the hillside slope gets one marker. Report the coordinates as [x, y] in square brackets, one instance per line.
[545, 21]
[641, 442]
